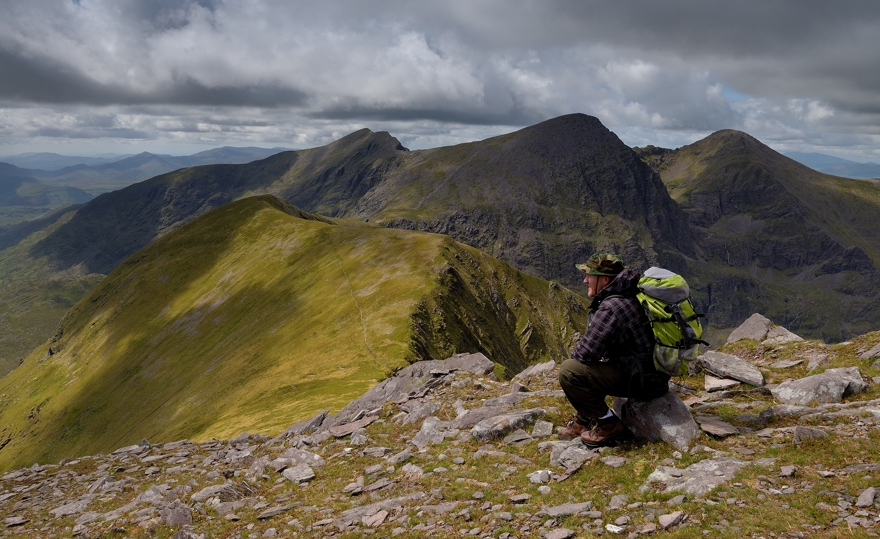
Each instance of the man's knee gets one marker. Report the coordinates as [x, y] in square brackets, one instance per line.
[567, 372]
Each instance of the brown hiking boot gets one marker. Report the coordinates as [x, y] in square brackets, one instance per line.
[572, 429]
[605, 432]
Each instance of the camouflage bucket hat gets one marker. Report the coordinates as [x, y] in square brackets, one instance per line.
[605, 264]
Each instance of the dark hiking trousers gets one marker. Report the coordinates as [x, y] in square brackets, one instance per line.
[586, 385]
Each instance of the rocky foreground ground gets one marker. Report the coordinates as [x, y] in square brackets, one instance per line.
[771, 436]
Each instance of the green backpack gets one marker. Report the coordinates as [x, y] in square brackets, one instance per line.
[677, 329]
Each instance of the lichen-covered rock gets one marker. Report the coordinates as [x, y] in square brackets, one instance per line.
[665, 418]
[701, 477]
[830, 386]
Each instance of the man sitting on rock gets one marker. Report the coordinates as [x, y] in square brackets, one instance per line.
[613, 357]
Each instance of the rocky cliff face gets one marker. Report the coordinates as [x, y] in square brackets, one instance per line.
[782, 238]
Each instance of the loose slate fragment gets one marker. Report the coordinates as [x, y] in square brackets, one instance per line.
[340, 431]
[716, 427]
[729, 366]
[787, 364]
[719, 384]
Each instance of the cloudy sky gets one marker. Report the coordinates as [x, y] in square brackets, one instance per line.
[177, 76]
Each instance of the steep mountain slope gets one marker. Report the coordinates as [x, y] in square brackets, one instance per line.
[257, 315]
[779, 237]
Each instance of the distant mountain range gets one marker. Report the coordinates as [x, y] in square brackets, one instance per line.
[836, 166]
[752, 230]
[100, 175]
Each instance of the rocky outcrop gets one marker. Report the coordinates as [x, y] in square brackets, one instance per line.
[730, 366]
[830, 386]
[665, 418]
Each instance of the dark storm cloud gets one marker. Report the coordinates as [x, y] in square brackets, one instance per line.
[785, 70]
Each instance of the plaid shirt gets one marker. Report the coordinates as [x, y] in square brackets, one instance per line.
[618, 326]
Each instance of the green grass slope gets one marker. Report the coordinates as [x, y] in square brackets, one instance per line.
[778, 237]
[256, 315]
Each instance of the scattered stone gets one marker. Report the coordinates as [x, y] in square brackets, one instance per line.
[534, 370]
[567, 509]
[670, 520]
[433, 431]
[375, 520]
[830, 386]
[866, 498]
[275, 511]
[665, 418]
[540, 477]
[518, 437]
[875, 351]
[301, 473]
[71, 508]
[519, 498]
[701, 477]
[12, 522]
[712, 384]
[542, 429]
[341, 431]
[787, 471]
[618, 501]
[716, 427]
[176, 514]
[755, 328]
[559, 533]
[807, 433]
[572, 456]
[615, 529]
[677, 500]
[787, 364]
[729, 366]
[614, 461]
[359, 437]
[496, 427]
[780, 335]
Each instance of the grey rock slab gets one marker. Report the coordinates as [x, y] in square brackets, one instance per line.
[716, 427]
[275, 511]
[518, 437]
[807, 433]
[432, 431]
[176, 514]
[670, 520]
[14, 521]
[712, 383]
[355, 514]
[780, 335]
[207, 493]
[400, 457]
[572, 456]
[559, 533]
[71, 508]
[420, 413]
[359, 437]
[701, 477]
[566, 509]
[614, 461]
[408, 380]
[618, 501]
[498, 426]
[340, 431]
[787, 364]
[542, 429]
[830, 386]
[301, 473]
[866, 498]
[540, 368]
[729, 366]
[787, 471]
[755, 327]
[665, 418]
[875, 351]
